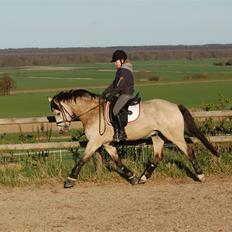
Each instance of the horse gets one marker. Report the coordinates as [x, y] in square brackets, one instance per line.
[159, 120]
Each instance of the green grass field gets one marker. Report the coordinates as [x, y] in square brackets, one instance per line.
[172, 85]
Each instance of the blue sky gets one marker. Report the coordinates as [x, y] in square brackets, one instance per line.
[103, 23]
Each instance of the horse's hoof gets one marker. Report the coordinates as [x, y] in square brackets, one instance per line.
[201, 177]
[143, 179]
[69, 183]
[134, 180]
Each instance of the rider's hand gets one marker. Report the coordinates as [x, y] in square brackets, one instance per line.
[104, 94]
[109, 97]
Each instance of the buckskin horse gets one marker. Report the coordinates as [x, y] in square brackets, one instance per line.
[168, 119]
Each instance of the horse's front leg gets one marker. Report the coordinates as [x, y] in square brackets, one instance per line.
[91, 147]
[126, 173]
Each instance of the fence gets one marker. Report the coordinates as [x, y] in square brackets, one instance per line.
[64, 145]
[50, 119]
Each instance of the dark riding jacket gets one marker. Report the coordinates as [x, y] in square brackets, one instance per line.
[123, 82]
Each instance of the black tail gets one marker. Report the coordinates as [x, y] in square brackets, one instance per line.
[193, 129]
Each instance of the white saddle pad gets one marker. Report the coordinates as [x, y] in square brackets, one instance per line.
[133, 116]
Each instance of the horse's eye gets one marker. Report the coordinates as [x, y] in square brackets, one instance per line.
[58, 114]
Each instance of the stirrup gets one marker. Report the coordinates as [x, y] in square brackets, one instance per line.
[122, 136]
[116, 137]
[119, 136]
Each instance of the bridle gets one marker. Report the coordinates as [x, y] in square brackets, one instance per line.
[65, 120]
[74, 117]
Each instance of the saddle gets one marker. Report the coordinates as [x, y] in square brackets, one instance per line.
[130, 112]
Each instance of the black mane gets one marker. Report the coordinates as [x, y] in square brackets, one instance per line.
[73, 94]
[70, 95]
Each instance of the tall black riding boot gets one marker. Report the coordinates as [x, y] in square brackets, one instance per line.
[116, 131]
[119, 133]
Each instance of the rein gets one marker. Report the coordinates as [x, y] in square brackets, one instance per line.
[99, 103]
[65, 120]
[76, 117]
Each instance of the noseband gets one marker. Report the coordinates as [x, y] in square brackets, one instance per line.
[73, 117]
[65, 120]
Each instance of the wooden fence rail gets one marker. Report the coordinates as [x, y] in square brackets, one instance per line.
[39, 146]
[50, 119]
[76, 144]
[11, 121]
[212, 114]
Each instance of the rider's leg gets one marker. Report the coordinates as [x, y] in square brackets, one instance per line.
[119, 128]
[120, 134]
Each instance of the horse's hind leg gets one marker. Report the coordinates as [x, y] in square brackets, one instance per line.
[158, 144]
[188, 150]
[126, 173]
[195, 163]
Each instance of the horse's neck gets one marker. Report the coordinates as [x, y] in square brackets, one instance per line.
[85, 107]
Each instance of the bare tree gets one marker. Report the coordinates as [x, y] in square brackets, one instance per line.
[228, 62]
[6, 84]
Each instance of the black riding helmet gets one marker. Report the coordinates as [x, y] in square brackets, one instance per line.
[119, 55]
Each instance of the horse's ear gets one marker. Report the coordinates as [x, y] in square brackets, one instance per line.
[49, 99]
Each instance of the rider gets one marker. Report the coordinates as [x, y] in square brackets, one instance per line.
[123, 87]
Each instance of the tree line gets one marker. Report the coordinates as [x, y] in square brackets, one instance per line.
[52, 56]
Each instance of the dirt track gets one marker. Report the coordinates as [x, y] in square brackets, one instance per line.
[165, 205]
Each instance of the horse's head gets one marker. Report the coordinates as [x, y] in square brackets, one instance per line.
[63, 114]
